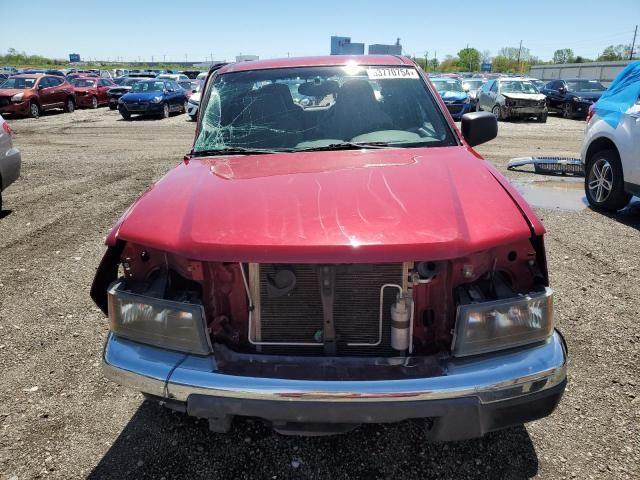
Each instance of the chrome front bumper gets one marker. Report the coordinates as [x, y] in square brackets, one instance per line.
[490, 378]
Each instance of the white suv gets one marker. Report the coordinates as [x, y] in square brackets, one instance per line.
[611, 158]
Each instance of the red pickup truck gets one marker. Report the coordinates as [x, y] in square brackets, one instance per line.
[334, 252]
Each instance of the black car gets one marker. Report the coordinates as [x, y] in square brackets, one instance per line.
[123, 86]
[572, 96]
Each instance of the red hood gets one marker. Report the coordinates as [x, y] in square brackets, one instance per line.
[84, 89]
[10, 92]
[343, 206]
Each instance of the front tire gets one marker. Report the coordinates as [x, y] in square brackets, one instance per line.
[112, 107]
[542, 118]
[497, 112]
[604, 182]
[567, 111]
[34, 110]
[185, 106]
[165, 110]
[69, 105]
[94, 102]
[194, 118]
[126, 115]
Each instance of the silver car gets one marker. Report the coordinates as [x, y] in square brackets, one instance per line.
[512, 97]
[9, 158]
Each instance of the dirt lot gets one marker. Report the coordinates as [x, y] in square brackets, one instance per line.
[59, 418]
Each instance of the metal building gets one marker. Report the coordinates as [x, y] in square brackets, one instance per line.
[344, 46]
[381, 49]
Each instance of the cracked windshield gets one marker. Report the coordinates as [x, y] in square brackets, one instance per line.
[318, 108]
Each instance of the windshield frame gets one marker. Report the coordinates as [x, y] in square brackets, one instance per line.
[511, 80]
[133, 87]
[584, 81]
[35, 82]
[213, 74]
[440, 80]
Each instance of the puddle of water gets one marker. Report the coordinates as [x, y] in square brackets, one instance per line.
[561, 194]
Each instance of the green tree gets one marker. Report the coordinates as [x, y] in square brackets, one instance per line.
[450, 64]
[615, 52]
[609, 54]
[469, 59]
[563, 55]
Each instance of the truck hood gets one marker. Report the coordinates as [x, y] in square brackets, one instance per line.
[524, 96]
[344, 206]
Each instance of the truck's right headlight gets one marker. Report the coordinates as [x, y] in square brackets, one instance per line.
[489, 326]
[163, 323]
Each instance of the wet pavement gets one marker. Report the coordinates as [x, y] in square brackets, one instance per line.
[562, 193]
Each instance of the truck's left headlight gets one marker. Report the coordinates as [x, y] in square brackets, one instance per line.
[163, 323]
[489, 326]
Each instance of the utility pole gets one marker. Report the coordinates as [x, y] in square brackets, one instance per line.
[519, 52]
[633, 44]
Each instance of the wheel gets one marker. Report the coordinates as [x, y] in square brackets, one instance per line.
[496, 111]
[112, 107]
[94, 102]
[34, 110]
[567, 110]
[126, 115]
[165, 110]
[542, 118]
[69, 106]
[478, 107]
[185, 105]
[604, 181]
[194, 118]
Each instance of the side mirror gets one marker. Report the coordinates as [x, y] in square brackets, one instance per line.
[562, 90]
[479, 127]
[40, 86]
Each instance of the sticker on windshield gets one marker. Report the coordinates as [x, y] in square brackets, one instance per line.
[388, 73]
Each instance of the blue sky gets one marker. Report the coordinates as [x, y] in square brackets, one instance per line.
[199, 29]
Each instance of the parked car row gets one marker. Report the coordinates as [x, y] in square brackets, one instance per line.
[29, 94]
[509, 96]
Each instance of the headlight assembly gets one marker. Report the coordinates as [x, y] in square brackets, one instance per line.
[578, 99]
[495, 325]
[17, 97]
[163, 323]
[156, 99]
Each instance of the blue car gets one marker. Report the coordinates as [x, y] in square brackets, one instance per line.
[153, 97]
[455, 98]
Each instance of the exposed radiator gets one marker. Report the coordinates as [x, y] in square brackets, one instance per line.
[297, 317]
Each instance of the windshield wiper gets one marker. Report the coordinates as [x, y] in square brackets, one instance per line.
[369, 145]
[345, 146]
[229, 151]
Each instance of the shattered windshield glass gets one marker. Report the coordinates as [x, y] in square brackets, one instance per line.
[313, 108]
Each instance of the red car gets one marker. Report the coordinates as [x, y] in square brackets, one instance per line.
[91, 91]
[191, 86]
[334, 252]
[30, 94]
[71, 76]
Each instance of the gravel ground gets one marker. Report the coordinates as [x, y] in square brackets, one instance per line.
[59, 418]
